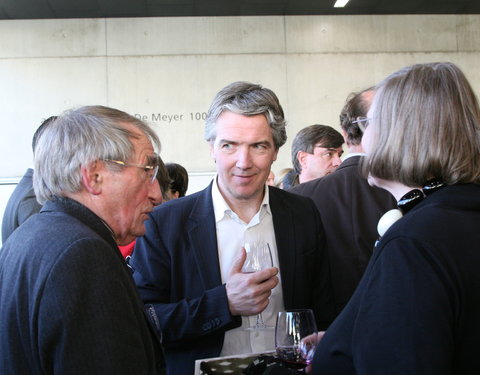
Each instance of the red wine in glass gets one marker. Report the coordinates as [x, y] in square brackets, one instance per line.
[296, 337]
[292, 357]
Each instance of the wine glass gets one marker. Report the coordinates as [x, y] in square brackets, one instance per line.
[296, 338]
[258, 258]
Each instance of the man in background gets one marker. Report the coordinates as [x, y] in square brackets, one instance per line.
[68, 303]
[22, 203]
[188, 265]
[316, 152]
[349, 207]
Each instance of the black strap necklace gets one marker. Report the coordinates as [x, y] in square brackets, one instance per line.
[406, 203]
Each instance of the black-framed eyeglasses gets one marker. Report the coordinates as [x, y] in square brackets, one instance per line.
[362, 123]
[151, 168]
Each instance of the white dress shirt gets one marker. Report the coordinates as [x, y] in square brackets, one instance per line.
[232, 234]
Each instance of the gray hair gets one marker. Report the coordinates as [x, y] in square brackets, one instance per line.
[77, 138]
[248, 99]
[308, 137]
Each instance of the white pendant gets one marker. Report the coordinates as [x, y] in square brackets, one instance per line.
[387, 220]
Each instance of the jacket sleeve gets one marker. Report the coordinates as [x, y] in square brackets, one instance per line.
[178, 302]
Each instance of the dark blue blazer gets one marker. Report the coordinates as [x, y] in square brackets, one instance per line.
[178, 273]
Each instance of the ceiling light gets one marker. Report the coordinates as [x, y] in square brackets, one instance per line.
[340, 3]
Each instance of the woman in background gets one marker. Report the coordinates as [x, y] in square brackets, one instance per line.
[417, 308]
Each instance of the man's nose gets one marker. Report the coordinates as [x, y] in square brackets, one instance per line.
[155, 194]
[244, 160]
[336, 161]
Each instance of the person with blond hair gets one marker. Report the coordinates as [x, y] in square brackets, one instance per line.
[416, 308]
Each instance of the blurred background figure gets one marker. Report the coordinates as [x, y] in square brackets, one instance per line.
[23, 203]
[316, 152]
[416, 310]
[178, 180]
[271, 179]
[280, 176]
[290, 180]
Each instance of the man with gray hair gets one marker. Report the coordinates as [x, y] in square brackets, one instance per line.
[68, 303]
[188, 265]
[316, 152]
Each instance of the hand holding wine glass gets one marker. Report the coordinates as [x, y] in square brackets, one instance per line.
[296, 338]
[248, 293]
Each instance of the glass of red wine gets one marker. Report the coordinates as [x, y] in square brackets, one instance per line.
[296, 338]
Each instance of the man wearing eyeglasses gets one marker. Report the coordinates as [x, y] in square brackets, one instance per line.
[316, 152]
[349, 207]
[68, 303]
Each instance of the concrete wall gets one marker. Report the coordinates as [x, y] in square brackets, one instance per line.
[167, 70]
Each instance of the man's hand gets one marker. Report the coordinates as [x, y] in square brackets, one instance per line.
[248, 293]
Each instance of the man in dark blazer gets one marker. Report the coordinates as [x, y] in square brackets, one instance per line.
[22, 203]
[68, 303]
[349, 207]
[188, 264]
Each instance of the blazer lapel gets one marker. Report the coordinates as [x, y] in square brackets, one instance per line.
[202, 235]
[285, 236]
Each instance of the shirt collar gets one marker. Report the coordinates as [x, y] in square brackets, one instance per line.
[352, 154]
[221, 207]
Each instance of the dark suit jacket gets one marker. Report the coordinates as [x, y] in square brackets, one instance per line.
[20, 206]
[68, 303]
[350, 209]
[177, 271]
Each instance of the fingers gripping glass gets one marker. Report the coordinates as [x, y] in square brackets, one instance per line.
[362, 123]
[151, 169]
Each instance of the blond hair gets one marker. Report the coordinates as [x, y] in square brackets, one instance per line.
[425, 124]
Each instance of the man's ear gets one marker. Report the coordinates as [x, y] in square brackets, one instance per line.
[345, 136]
[92, 177]
[302, 158]
[275, 155]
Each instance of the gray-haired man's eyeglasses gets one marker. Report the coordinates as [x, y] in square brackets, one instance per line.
[151, 168]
